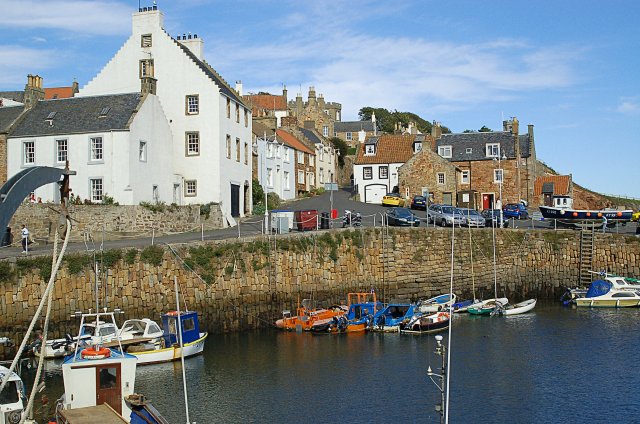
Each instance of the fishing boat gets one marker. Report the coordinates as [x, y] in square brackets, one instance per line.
[517, 309]
[99, 384]
[308, 315]
[91, 333]
[578, 216]
[390, 318]
[605, 294]
[11, 398]
[362, 308]
[167, 347]
[425, 324]
[486, 307]
[438, 303]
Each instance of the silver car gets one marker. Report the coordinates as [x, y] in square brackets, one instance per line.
[473, 217]
[445, 215]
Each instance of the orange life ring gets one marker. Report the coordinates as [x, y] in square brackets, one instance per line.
[95, 353]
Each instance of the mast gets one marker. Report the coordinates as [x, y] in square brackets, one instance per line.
[448, 365]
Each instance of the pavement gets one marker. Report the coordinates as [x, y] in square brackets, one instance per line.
[252, 226]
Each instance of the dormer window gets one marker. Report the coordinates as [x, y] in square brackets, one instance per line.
[469, 150]
[417, 147]
[50, 116]
[369, 149]
[444, 151]
[493, 150]
[103, 113]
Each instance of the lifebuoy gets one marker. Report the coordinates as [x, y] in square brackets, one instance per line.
[172, 313]
[95, 353]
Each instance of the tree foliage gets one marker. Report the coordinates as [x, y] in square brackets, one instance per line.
[342, 147]
[257, 192]
[485, 129]
[386, 120]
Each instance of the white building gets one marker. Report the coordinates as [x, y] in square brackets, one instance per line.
[326, 157]
[209, 123]
[375, 169]
[117, 145]
[276, 166]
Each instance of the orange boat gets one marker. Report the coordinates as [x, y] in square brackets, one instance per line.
[362, 308]
[309, 315]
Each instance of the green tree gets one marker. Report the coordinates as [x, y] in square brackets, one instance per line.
[342, 148]
[485, 129]
[387, 120]
[467, 131]
[257, 192]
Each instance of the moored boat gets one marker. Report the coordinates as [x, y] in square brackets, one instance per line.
[11, 398]
[438, 303]
[463, 305]
[486, 307]
[517, 309]
[308, 315]
[362, 308]
[605, 294]
[425, 324]
[573, 215]
[390, 318]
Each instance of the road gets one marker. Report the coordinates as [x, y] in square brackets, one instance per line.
[251, 226]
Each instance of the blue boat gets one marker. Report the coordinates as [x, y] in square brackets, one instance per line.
[463, 305]
[357, 319]
[390, 318]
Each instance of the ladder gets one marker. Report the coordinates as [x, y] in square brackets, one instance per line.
[587, 234]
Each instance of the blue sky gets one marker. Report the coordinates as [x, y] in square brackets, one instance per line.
[568, 67]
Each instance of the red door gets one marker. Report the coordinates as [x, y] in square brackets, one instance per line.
[108, 386]
[487, 201]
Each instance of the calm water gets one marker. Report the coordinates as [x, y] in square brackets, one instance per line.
[553, 365]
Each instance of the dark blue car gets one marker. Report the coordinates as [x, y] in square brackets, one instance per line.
[419, 202]
[515, 210]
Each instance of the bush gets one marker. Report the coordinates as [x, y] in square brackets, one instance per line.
[257, 192]
[154, 207]
[273, 201]
[152, 255]
[108, 200]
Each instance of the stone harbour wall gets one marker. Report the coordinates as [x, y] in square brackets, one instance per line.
[245, 284]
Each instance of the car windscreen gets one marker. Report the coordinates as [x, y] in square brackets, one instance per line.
[447, 209]
[403, 213]
[419, 199]
[469, 212]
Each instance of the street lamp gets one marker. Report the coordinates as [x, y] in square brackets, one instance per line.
[500, 159]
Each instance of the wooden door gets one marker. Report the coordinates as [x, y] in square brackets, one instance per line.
[108, 386]
[235, 200]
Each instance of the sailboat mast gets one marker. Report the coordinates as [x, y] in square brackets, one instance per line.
[453, 238]
[495, 275]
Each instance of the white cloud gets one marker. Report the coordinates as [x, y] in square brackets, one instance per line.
[629, 106]
[87, 17]
[19, 61]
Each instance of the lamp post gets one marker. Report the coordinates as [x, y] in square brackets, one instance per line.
[504, 157]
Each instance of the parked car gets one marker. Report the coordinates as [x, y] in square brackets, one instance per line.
[515, 210]
[445, 215]
[473, 217]
[393, 199]
[492, 217]
[635, 216]
[419, 202]
[402, 217]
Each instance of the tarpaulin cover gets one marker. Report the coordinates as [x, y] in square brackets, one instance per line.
[598, 288]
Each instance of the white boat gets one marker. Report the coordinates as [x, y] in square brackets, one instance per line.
[11, 398]
[518, 308]
[92, 333]
[436, 304]
[610, 293]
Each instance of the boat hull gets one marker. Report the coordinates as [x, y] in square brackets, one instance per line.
[607, 303]
[519, 308]
[584, 215]
[170, 354]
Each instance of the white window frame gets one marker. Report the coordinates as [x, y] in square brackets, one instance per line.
[270, 150]
[300, 176]
[445, 151]
[142, 151]
[287, 155]
[321, 176]
[29, 153]
[96, 189]
[469, 150]
[383, 172]
[369, 149]
[312, 179]
[492, 150]
[325, 131]
[246, 153]
[270, 177]
[441, 178]
[465, 177]
[321, 153]
[498, 175]
[238, 151]
[96, 149]
[190, 188]
[64, 150]
[367, 173]
[349, 136]
[300, 157]
[192, 143]
[286, 180]
[193, 104]
[228, 146]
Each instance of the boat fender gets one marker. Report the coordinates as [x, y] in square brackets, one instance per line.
[95, 353]
[172, 313]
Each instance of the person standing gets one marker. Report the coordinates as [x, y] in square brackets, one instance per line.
[25, 238]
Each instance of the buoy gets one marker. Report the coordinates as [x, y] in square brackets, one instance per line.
[95, 353]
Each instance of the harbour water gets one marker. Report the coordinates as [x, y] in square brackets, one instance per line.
[553, 365]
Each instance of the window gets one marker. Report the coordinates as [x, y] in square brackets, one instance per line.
[300, 157]
[367, 173]
[311, 178]
[493, 150]
[228, 146]
[286, 154]
[29, 152]
[370, 149]
[270, 150]
[269, 177]
[285, 176]
[383, 172]
[95, 153]
[145, 40]
[464, 177]
[62, 150]
[146, 68]
[95, 189]
[330, 154]
[440, 178]
[246, 118]
[142, 151]
[104, 112]
[321, 174]
[190, 188]
[497, 175]
[417, 147]
[192, 143]
[349, 136]
[301, 177]
[325, 131]
[192, 106]
[228, 108]
[237, 113]
[321, 153]
[469, 150]
[278, 149]
[246, 153]
[237, 150]
[312, 160]
[444, 151]
[155, 194]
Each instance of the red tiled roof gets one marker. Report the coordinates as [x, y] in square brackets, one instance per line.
[561, 184]
[389, 149]
[58, 93]
[293, 142]
[266, 101]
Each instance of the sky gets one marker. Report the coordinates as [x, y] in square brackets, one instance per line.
[571, 68]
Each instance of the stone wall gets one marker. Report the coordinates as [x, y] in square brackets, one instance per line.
[246, 284]
[114, 221]
[422, 171]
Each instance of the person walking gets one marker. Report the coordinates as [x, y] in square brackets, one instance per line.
[25, 238]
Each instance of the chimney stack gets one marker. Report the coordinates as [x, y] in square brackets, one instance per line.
[284, 94]
[33, 91]
[312, 96]
[436, 130]
[239, 88]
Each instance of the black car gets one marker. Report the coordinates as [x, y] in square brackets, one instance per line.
[492, 217]
[402, 217]
[419, 202]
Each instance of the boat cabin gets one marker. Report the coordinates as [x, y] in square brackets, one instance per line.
[140, 328]
[188, 322]
[563, 202]
[11, 398]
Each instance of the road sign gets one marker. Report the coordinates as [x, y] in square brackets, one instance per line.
[331, 186]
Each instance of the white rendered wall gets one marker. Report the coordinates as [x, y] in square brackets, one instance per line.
[390, 182]
[265, 162]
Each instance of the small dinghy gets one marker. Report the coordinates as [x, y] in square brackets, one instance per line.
[486, 307]
[426, 324]
[436, 304]
[517, 309]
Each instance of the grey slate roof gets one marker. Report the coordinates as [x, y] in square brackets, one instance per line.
[8, 115]
[353, 126]
[478, 140]
[310, 135]
[547, 187]
[78, 115]
[16, 96]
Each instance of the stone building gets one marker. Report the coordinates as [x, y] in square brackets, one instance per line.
[355, 132]
[553, 190]
[267, 105]
[322, 114]
[326, 156]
